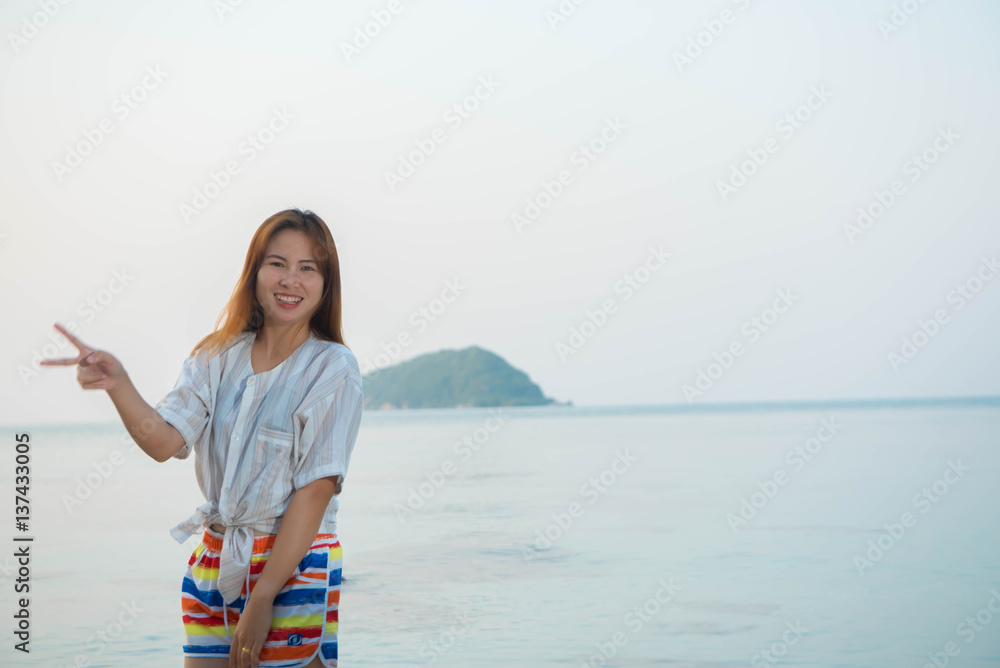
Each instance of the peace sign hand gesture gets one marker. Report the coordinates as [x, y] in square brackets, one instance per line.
[97, 370]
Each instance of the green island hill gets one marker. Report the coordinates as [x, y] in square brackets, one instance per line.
[470, 377]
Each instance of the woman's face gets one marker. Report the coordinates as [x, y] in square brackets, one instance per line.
[289, 270]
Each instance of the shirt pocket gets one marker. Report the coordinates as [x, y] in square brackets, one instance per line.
[271, 477]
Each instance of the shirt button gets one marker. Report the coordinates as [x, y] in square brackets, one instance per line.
[236, 437]
[250, 380]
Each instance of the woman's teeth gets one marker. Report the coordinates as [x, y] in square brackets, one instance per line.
[288, 300]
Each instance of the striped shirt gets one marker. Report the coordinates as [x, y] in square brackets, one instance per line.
[259, 437]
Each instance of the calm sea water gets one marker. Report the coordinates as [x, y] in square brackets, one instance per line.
[574, 536]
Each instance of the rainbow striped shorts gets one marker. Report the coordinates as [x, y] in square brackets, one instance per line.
[306, 609]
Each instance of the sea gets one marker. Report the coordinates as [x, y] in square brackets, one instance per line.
[816, 534]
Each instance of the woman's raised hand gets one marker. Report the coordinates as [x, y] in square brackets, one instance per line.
[97, 370]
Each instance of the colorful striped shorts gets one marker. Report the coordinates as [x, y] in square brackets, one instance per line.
[305, 610]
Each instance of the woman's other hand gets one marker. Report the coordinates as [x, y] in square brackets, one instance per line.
[96, 370]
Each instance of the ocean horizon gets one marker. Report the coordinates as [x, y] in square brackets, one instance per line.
[891, 402]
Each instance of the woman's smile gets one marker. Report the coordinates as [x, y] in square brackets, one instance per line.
[286, 300]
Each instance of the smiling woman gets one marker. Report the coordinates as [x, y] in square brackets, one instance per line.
[270, 403]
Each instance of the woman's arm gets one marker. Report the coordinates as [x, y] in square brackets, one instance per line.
[297, 532]
[158, 438]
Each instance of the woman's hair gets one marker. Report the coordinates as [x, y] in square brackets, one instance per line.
[243, 313]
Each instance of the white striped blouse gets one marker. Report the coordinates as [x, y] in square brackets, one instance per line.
[259, 437]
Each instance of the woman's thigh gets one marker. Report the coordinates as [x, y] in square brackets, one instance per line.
[198, 662]
[201, 662]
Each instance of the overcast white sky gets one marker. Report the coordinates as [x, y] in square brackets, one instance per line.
[678, 129]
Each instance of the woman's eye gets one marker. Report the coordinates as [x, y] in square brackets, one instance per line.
[275, 263]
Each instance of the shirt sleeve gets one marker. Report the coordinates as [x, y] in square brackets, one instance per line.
[186, 407]
[330, 428]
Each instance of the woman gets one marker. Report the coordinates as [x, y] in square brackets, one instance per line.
[270, 403]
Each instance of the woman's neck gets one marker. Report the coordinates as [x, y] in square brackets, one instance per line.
[277, 344]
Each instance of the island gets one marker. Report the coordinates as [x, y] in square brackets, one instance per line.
[470, 377]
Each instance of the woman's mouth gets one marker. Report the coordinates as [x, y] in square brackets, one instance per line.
[287, 301]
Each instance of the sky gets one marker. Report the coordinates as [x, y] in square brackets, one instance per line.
[634, 202]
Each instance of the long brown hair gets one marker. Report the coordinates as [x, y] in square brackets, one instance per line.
[243, 313]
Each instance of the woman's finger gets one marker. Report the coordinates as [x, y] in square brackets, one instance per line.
[65, 361]
[83, 347]
[90, 375]
[96, 357]
[234, 653]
